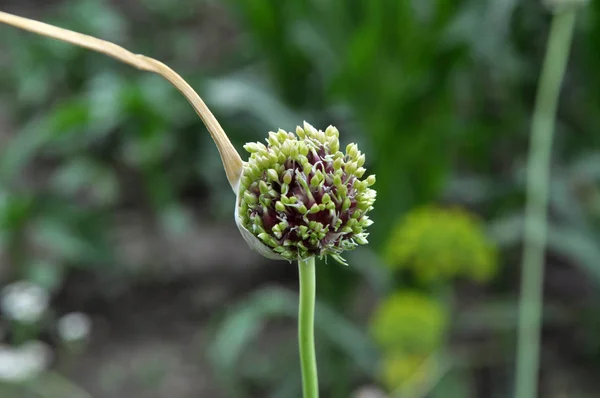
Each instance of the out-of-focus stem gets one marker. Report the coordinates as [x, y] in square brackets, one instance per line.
[538, 174]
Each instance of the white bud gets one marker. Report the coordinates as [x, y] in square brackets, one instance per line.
[272, 139]
[352, 151]
[20, 364]
[332, 131]
[351, 168]
[273, 175]
[253, 147]
[361, 160]
[24, 301]
[310, 130]
[334, 145]
[74, 327]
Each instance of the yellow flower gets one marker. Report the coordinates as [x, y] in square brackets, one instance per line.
[439, 244]
[406, 372]
[409, 322]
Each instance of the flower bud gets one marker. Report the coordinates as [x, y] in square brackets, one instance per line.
[24, 301]
[24, 363]
[74, 326]
[318, 203]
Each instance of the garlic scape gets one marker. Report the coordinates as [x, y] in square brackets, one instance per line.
[297, 197]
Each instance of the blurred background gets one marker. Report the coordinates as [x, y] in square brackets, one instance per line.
[122, 271]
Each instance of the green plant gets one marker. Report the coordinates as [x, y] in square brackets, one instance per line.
[301, 197]
[487, 77]
[435, 245]
[82, 118]
[409, 328]
[324, 212]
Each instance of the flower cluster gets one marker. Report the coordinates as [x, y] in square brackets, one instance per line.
[408, 327]
[438, 244]
[409, 322]
[299, 196]
[406, 372]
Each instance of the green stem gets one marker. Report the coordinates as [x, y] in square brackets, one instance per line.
[538, 171]
[306, 326]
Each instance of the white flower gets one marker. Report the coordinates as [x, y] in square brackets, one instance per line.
[74, 326]
[24, 301]
[19, 364]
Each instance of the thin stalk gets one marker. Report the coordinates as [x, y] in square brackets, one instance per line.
[232, 162]
[306, 326]
[538, 171]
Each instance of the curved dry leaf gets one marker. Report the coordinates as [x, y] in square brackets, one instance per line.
[231, 159]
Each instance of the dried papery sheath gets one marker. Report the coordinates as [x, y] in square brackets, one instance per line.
[232, 162]
[300, 196]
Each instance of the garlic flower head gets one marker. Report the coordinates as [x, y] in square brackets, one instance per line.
[299, 196]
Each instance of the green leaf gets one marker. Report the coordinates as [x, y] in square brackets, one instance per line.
[46, 274]
[22, 149]
[15, 211]
[243, 324]
[59, 238]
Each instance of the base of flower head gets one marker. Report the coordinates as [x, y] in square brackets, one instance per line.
[302, 197]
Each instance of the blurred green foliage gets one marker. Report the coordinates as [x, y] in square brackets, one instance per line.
[437, 93]
[240, 365]
[405, 374]
[100, 136]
